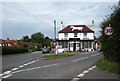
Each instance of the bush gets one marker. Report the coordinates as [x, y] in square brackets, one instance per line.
[109, 66]
[13, 50]
[111, 44]
[31, 47]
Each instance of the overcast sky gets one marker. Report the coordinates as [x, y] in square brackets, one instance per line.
[25, 18]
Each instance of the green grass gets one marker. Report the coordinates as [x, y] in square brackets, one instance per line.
[57, 56]
[15, 54]
[109, 66]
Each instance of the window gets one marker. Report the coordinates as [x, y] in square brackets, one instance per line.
[64, 44]
[66, 35]
[85, 35]
[86, 44]
[15, 43]
[82, 45]
[75, 34]
[90, 45]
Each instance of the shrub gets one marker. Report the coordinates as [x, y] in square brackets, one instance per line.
[13, 50]
[31, 47]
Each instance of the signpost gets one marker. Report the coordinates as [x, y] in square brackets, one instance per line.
[108, 30]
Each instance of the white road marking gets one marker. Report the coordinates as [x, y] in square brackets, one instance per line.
[80, 59]
[33, 68]
[76, 60]
[94, 67]
[86, 71]
[1, 75]
[28, 63]
[6, 76]
[93, 55]
[14, 69]
[81, 75]
[75, 79]
[90, 69]
[21, 66]
[7, 72]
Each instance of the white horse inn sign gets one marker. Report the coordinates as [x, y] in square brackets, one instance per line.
[76, 38]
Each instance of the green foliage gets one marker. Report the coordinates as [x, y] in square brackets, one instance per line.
[57, 56]
[25, 45]
[25, 39]
[31, 47]
[13, 50]
[109, 66]
[37, 38]
[111, 44]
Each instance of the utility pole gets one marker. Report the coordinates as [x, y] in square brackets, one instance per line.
[55, 30]
[55, 36]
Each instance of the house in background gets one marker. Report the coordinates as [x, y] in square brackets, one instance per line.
[12, 43]
[76, 38]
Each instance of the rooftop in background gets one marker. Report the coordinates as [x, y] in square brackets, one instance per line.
[68, 29]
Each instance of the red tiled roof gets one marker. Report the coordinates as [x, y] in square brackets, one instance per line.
[69, 30]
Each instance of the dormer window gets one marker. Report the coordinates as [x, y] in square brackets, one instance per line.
[85, 34]
[66, 35]
[75, 34]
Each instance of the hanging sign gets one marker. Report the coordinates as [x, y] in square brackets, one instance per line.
[108, 30]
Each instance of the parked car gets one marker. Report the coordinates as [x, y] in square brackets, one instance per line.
[45, 50]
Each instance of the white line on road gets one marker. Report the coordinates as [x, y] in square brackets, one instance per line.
[1, 75]
[6, 76]
[85, 71]
[7, 72]
[80, 59]
[33, 68]
[75, 79]
[14, 69]
[21, 66]
[80, 75]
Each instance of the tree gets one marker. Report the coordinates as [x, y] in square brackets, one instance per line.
[25, 39]
[37, 38]
[111, 44]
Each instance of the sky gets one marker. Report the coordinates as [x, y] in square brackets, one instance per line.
[26, 18]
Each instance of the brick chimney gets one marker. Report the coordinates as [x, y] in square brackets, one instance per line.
[93, 24]
[61, 25]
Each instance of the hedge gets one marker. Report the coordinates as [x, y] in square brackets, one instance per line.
[13, 50]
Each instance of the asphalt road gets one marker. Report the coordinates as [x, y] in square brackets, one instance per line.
[10, 62]
[27, 67]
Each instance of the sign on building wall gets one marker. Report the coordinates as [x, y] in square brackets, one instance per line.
[108, 30]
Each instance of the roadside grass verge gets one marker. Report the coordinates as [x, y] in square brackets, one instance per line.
[111, 67]
[15, 54]
[46, 57]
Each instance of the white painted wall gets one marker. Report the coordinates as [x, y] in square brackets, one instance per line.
[79, 35]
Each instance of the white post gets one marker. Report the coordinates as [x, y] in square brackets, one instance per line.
[56, 47]
[81, 45]
[96, 45]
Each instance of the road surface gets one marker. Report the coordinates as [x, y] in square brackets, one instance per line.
[28, 67]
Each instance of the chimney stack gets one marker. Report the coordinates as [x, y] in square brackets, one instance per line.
[93, 24]
[61, 25]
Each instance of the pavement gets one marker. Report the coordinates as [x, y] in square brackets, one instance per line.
[79, 67]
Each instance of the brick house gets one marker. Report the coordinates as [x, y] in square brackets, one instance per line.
[13, 43]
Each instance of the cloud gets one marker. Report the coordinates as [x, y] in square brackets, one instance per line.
[28, 18]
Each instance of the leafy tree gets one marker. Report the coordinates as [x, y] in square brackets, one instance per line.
[37, 38]
[25, 39]
[111, 44]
